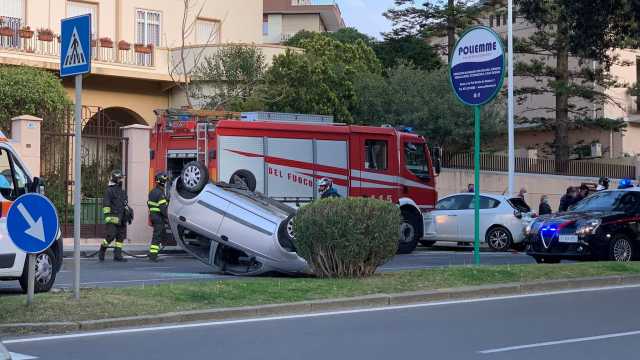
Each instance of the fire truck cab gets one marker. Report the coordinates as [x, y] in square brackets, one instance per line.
[285, 160]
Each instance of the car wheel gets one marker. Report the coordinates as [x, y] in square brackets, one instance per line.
[409, 236]
[543, 260]
[499, 239]
[427, 243]
[286, 235]
[622, 249]
[45, 272]
[244, 178]
[194, 176]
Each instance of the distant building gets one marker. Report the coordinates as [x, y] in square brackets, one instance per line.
[284, 18]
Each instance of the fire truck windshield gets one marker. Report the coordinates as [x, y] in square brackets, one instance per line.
[416, 158]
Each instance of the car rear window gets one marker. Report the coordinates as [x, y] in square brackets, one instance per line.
[519, 205]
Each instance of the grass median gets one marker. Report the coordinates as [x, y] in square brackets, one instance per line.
[121, 302]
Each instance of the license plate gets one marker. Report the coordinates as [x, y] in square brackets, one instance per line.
[568, 238]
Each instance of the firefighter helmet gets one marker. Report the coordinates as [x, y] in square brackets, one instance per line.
[324, 185]
[161, 178]
[116, 177]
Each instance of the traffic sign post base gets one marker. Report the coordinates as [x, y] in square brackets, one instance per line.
[31, 283]
[476, 187]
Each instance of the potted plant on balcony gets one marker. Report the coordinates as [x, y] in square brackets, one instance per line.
[6, 31]
[45, 35]
[142, 49]
[106, 42]
[26, 32]
[123, 45]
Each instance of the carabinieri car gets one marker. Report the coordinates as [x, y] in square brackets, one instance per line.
[604, 226]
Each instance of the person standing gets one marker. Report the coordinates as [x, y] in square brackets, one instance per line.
[544, 208]
[568, 199]
[116, 215]
[326, 190]
[158, 204]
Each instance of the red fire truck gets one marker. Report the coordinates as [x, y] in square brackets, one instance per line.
[284, 160]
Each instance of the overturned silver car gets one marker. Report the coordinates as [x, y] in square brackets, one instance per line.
[230, 228]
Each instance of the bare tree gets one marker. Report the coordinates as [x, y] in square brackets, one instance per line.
[181, 69]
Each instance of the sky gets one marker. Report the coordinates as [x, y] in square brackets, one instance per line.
[366, 15]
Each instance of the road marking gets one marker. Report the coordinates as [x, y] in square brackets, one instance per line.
[16, 356]
[303, 316]
[559, 342]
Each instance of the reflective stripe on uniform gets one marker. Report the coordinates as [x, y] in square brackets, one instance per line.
[111, 220]
[106, 210]
[156, 204]
[119, 245]
[154, 209]
[105, 243]
[154, 249]
[162, 202]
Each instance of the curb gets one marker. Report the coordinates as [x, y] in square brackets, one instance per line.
[306, 307]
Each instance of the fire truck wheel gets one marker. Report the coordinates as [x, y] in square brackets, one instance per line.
[244, 177]
[194, 176]
[408, 233]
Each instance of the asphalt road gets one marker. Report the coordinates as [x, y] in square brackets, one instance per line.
[176, 268]
[583, 324]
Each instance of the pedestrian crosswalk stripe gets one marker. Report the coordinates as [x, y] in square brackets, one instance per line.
[75, 53]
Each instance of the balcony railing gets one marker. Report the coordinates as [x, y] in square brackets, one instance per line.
[15, 38]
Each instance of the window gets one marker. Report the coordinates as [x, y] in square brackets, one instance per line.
[505, 18]
[416, 159]
[12, 12]
[485, 203]
[497, 20]
[76, 8]
[12, 8]
[456, 202]
[265, 25]
[147, 32]
[207, 32]
[490, 20]
[13, 179]
[375, 154]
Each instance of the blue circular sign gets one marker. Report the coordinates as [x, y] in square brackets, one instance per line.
[476, 68]
[32, 223]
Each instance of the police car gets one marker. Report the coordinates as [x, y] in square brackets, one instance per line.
[15, 180]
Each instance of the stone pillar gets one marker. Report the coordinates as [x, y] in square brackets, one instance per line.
[25, 138]
[137, 178]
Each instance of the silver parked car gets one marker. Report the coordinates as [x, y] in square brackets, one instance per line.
[230, 228]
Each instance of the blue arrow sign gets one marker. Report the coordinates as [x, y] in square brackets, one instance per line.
[32, 223]
[75, 42]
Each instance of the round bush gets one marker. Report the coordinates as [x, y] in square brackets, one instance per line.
[347, 237]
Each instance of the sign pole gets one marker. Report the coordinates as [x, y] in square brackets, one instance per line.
[510, 101]
[77, 193]
[476, 187]
[31, 278]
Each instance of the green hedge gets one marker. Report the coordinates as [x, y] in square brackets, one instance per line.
[347, 237]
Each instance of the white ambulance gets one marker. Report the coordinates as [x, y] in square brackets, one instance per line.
[16, 180]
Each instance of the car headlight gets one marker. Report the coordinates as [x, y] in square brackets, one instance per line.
[588, 227]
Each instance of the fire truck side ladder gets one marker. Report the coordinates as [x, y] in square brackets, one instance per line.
[202, 142]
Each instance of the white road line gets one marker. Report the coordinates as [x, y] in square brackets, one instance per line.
[303, 316]
[559, 342]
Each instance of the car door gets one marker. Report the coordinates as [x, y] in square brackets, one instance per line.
[489, 209]
[445, 217]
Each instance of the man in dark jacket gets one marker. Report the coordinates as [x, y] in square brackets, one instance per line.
[157, 204]
[325, 187]
[544, 208]
[116, 215]
[568, 199]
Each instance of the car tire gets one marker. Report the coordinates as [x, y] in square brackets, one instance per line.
[244, 178]
[543, 260]
[45, 272]
[499, 238]
[286, 236]
[622, 249]
[194, 176]
[519, 247]
[409, 236]
[427, 243]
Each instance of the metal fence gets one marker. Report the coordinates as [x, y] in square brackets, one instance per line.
[585, 168]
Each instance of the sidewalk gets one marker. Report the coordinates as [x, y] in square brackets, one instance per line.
[88, 246]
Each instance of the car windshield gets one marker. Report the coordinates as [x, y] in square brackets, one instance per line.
[609, 201]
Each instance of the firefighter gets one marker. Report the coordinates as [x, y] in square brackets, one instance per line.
[325, 187]
[116, 215]
[158, 204]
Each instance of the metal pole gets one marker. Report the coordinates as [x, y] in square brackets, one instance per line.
[476, 187]
[77, 194]
[511, 130]
[31, 278]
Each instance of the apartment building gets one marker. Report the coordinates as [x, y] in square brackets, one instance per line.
[284, 18]
[596, 143]
[134, 45]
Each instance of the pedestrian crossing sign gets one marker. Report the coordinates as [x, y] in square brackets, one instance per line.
[75, 57]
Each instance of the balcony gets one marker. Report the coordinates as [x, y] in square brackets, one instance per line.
[24, 46]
